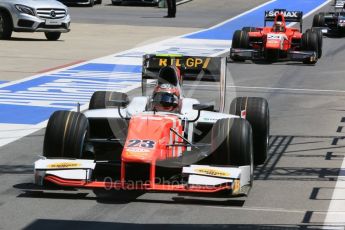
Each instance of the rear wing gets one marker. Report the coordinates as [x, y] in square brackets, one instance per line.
[195, 68]
[191, 67]
[289, 16]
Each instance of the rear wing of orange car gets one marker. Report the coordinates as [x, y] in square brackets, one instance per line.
[289, 16]
[192, 68]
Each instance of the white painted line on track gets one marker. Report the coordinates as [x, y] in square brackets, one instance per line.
[336, 209]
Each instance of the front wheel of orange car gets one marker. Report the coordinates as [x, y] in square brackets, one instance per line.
[231, 141]
[65, 135]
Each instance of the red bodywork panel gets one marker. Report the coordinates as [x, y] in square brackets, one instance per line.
[267, 38]
[149, 137]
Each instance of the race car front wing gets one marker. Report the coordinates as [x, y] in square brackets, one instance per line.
[252, 54]
[201, 178]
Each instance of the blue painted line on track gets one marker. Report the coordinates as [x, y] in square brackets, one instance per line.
[32, 101]
[28, 115]
[255, 18]
[1, 82]
[109, 68]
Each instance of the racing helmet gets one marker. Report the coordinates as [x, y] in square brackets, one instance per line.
[165, 97]
[278, 27]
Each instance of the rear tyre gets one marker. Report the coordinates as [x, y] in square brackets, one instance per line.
[99, 2]
[103, 99]
[52, 36]
[257, 113]
[249, 29]
[232, 142]
[5, 26]
[319, 20]
[65, 135]
[310, 43]
[240, 40]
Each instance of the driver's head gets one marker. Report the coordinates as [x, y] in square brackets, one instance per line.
[165, 98]
[278, 27]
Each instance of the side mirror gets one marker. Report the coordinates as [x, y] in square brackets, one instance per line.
[204, 107]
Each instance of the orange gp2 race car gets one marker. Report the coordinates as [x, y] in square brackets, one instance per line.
[277, 42]
[162, 140]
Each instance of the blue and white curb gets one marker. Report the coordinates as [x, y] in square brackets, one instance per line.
[25, 105]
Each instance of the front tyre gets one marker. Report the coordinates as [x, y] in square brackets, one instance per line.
[240, 40]
[52, 36]
[310, 43]
[319, 40]
[232, 142]
[65, 135]
[257, 113]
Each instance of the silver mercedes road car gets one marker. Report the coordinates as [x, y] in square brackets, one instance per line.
[48, 16]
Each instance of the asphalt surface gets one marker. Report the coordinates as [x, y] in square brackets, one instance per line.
[293, 189]
[194, 14]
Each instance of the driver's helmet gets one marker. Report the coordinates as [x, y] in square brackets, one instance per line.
[278, 27]
[165, 97]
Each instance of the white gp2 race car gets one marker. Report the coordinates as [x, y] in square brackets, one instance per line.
[162, 141]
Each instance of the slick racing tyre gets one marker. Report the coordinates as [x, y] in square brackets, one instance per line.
[249, 29]
[52, 36]
[232, 142]
[99, 2]
[240, 40]
[5, 25]
[319, 20]
[310, 43]
[65, 135]
[319, 40]
[105, 99]
[257, 113]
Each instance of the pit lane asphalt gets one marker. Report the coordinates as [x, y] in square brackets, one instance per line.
[291, 190]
